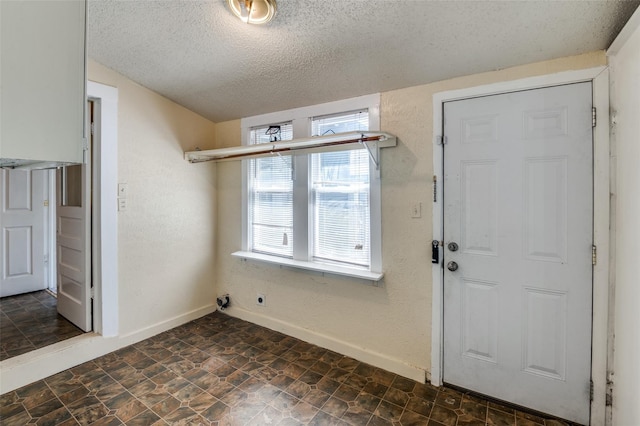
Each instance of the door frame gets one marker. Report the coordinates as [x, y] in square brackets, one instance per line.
[599, 76]
[104, 212]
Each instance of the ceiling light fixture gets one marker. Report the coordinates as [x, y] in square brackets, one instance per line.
[253, 11]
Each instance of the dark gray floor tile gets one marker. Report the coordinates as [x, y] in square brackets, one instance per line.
[222, 370]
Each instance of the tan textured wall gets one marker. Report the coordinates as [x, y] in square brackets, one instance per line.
[392, 321]
[228, 134]
[166, 236]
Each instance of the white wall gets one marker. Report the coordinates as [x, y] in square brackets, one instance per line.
[388, 326]
[625, 108]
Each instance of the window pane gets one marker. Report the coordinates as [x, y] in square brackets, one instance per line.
[271, 198]
[340, 123]
[340, 188]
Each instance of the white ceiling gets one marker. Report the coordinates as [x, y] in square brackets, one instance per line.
[198, 54]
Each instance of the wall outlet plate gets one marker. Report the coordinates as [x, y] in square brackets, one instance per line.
[261, 300]
[416, 210]
[122, 190]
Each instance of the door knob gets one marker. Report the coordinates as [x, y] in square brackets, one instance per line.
[453, 246]
[452, 266]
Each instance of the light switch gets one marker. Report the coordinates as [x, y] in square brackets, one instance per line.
[122, 204]
[416, 210]
[122, 190]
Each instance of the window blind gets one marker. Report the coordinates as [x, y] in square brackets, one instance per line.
[340, 191]
[271, 197]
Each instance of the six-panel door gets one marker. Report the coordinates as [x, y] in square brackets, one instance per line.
[518, 202]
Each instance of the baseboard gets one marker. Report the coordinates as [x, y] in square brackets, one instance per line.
[152, 330]
[41, 363]
[374, 358]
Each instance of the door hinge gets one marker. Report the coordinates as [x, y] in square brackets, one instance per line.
[92, 128]
[593, 117]
[92, 292]
[590, 390]
[441, 140]
[85, 151]
[594, 254]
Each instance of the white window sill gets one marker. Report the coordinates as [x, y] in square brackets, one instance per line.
[311, 266]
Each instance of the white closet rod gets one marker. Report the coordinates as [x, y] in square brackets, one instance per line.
[315, 143]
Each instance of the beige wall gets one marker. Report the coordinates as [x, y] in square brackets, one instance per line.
[389, 325]
[625, 107]
[166, 237]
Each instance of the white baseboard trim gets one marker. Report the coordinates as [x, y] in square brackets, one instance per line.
[145, 333]
[374, 358]
[36, 365]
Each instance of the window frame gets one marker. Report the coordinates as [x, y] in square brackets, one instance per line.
[302, 220]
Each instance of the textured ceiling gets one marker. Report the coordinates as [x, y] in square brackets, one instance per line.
[201, 56]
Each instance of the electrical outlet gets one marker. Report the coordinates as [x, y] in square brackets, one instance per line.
[122, 204]
[261, 300]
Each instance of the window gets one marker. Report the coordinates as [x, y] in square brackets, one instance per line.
[271, 198]
[318, 211]
[340, 188]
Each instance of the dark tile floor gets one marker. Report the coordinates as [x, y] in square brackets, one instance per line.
[31, 321]
[219, 370]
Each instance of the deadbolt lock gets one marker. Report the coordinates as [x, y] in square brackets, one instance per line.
[453, 246]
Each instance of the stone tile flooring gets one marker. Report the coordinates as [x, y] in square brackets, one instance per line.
[220, 370]
[31, 321]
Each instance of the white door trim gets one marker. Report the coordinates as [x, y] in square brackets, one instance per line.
[600, 78]
[105, 220]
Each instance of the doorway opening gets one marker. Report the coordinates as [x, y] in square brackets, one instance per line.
[45, 284]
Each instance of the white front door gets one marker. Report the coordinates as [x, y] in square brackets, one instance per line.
[73, 233]
[22, 264]
[518, 202]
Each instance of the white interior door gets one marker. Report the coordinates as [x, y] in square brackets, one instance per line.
[518, 198]
[22, 268]
[73, 233]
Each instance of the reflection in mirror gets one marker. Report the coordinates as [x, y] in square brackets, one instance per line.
[72, 186]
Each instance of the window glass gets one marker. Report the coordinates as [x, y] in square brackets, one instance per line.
[271, 197]
[340, 195]
[340, 123]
